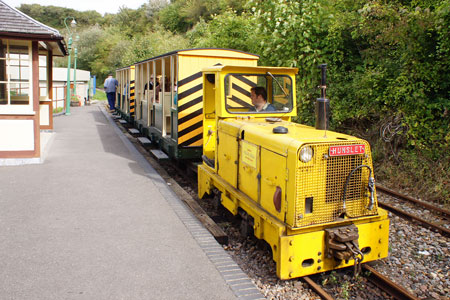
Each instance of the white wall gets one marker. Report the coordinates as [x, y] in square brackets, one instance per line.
[16, 135]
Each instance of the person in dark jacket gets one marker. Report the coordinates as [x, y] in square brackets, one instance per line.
[110, 87]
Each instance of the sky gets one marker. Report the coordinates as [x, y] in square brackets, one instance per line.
[109, 6]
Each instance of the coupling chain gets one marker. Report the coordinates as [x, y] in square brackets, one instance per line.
[358, 256]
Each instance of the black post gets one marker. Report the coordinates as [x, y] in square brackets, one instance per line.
[322, 103]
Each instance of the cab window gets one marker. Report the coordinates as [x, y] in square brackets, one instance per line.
[258, 93]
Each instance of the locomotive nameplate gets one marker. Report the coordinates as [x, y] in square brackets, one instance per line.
[249, 154]
[347, 150]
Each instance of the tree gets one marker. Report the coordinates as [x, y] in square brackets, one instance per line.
[152, 44]
[227, 30]
[53, 16]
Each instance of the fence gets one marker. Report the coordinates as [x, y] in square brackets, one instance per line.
[59, 98]
[59, 95]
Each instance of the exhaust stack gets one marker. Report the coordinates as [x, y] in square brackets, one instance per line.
[322, 103]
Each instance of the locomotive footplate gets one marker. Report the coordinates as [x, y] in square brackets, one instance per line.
[342, 244]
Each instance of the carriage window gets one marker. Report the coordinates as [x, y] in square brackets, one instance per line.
[258, 93]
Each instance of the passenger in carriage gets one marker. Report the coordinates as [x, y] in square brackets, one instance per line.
[158, 87]
[175, 97]
[151, 84]
[258, 95]
[167, 84]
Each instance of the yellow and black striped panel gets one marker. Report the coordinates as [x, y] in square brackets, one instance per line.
[190, 110]
[132, 98]
[239, 91]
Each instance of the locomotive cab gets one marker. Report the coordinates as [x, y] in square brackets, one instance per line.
[307, 193]
[228, 95]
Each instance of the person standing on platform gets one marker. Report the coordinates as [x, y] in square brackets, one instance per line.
[110, 86]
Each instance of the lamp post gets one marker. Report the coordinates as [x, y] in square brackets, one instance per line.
[74, 91]
[75, 73]
[69, 48]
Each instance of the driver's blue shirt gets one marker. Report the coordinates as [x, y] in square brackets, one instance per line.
[268, 107]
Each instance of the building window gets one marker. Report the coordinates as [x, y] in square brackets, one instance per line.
[15, 77]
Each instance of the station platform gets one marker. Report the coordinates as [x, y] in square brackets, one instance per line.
[96, 221]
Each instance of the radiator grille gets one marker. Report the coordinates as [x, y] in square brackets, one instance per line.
[324, 178]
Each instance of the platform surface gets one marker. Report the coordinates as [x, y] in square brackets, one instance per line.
[94, 222]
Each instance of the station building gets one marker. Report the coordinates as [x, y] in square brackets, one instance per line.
[26, 46]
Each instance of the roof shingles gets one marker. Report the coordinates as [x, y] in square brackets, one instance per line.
[14, 21]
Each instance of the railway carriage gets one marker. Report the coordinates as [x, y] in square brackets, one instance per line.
[168, 96]
[125, 92]
[306, 191]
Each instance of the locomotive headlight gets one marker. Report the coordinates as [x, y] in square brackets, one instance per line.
[306, 154]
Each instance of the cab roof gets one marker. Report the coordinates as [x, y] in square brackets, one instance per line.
[246, 69]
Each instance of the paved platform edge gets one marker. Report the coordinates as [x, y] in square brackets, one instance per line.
[241, 285]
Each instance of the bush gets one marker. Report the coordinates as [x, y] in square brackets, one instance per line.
[388, 64]
[228, 30]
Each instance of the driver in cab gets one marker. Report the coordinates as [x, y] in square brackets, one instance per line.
[258, 95]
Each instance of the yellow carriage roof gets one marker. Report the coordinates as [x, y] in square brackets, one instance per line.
[209, 52]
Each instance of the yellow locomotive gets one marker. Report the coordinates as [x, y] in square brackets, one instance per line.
[308, 192]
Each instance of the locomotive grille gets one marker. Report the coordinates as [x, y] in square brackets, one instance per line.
[323, 180]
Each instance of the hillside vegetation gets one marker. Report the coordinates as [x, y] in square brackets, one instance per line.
[388, 64]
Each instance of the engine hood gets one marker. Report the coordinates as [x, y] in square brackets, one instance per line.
[261, 132]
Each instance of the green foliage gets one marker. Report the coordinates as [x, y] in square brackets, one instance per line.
[172, 18]
[385, 60]
[330, 278]
[428, 178]
[58, 110]
[152, 44]
[400, 72]
[99, 95]
[131, 21]
[345, 290]
[291, 33]
[87, 46]
[181, 15]
[227, 30]
[108, 50]
[153, 7]
[53, 16]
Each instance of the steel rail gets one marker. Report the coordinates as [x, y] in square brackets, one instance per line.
[317, 288]
[442, 230]
[390, 192]
[388, 285]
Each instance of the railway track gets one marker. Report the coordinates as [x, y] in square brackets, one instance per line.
[317, 288]
[442, 213]
[424, 204]
[385, 284]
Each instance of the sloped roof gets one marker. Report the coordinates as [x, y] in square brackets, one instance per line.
[15, 23]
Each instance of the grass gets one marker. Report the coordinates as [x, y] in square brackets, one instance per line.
[58, 110]
[99, 95]
[415, 173]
